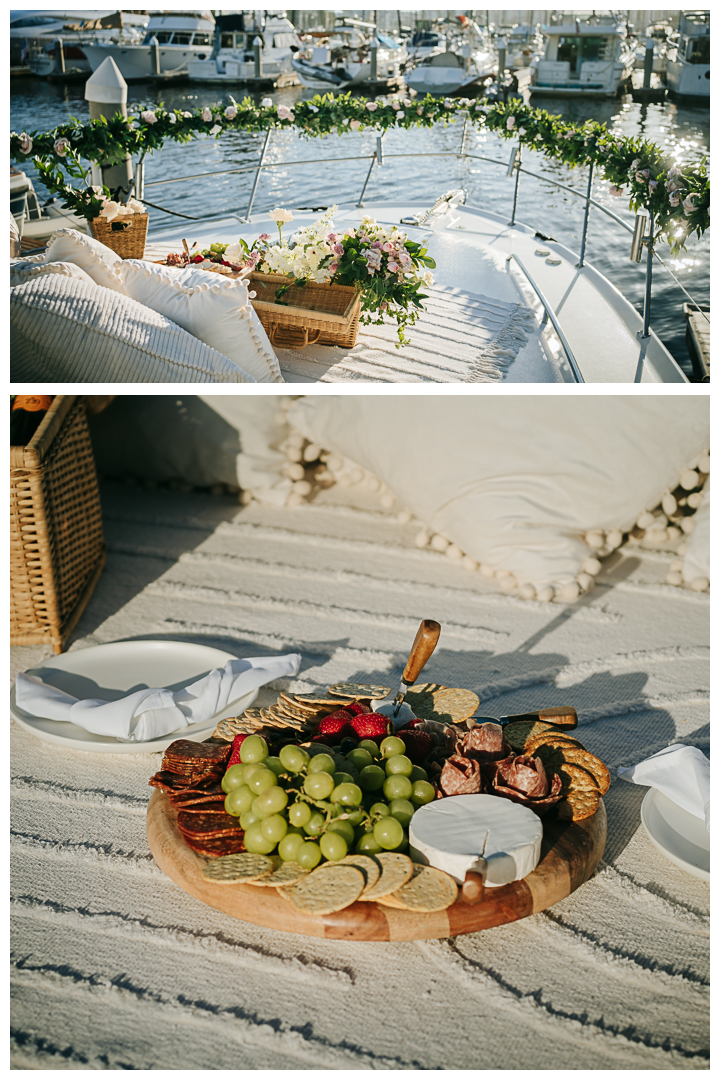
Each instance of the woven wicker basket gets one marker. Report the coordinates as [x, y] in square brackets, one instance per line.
[126, 234]
[56, 541]
[322, 314]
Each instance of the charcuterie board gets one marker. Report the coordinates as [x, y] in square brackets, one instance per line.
[570, 855]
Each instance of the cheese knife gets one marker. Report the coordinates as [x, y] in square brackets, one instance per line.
[422, 649]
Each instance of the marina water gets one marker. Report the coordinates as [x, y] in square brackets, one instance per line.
[680, 129]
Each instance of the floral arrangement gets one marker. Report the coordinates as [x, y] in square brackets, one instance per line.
[677, 194]
[388, 268]
[90, 202]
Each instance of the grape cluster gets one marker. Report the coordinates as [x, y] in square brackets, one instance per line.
[320, 803]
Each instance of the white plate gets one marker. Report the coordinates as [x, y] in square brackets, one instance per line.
[680, 836]
[109, 672]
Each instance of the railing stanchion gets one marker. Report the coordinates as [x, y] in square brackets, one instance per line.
[257, 174]
[587, 215]
[648, 279]
[464, 136]
[377, 156]
[517, 160]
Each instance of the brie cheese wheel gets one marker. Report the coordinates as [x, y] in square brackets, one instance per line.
[453, 833]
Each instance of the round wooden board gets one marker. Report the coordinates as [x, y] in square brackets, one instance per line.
[570, 854]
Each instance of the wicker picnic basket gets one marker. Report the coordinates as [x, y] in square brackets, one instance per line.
[57, 549]
[312, 314]
[125, 234]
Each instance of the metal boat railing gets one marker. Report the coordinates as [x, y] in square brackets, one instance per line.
[379, 156]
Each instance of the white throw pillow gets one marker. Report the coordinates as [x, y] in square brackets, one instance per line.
[102, 264]
[22, 270]
[212, 307]
[66, 330]
[516, 482]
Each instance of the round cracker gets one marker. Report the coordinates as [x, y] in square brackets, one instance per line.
[287, 874]
[520, 733]
[234, 869]
[575, 778]
[359, 690]
[429, 889]
[396, 870]
[332, 889]
[578, 805]
[368, 865]
[553, 757]
[551, 738]
[455, 703]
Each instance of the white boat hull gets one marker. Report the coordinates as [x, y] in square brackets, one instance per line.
[688, 80]
[137, 62]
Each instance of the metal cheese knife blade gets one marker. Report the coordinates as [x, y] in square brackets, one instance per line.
[422, 649]
[564, 715]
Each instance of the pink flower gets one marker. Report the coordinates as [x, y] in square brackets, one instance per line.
[689, 205]
[510, 123]
[396, 105]
[652, 184]
[419, 110]
[383, 306]
[635, 164]
[284, 113]
[61, 147]
[231, 112]
[641, 177]
[26, 143]
[371, 106]
[393, 267]
[674, 198]
[264, 236]
[354, 124]
[387, 246]
[674, 171]
[205, 115]
[333, 267]
[338, 249]
[148, 116]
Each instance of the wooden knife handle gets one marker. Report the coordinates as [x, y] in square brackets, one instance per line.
[559, 714]
[473, 887]
[422, 649]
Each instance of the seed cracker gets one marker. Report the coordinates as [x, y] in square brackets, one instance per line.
[429, 889]
[396, 870]
[287, 874]
[359, 691]
[520, 733]
[332, 889]
[578, 805]
[369, 867]
[235, 869]
[553, 757]
[551, 738]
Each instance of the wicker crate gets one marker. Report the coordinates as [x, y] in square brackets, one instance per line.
[56, 540]
[322, 314]
[126, 234]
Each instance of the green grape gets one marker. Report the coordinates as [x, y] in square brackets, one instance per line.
[360, 757]
[342, 778]
[318, 785]
[239, 800]
[255, 842]
[274, 764]
[319, 748]
[233, 778]
[418, 773]
[371, 747]
[308, 855]
[253, 749]
[272, 801]
[295, 829]
[398, 787]
[398, 765]
[380, 808]
[247, 818]
[250, 770]
[321, 763]
[402, 810]
[261, 780]
[368, 845]
[294, 758]
[290, 845]
[299, 813]
[344, 829]
[405, 844]
[388, 832]
[355, 816]
[390, 746]
[274, 828]
[333, 846]
[371, 778]
[347, 795]
[315, 823]
[422, 793]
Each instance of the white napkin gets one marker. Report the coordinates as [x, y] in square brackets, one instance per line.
[152, 713]
[680, 772]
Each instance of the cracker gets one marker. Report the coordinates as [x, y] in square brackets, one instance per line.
[575, 778]
[332, 889]
[229, 728]
[231, 869]
[396, 869]
[316, 700]
[578, 805]
[369, 867]
[287, 874]
[519, 734]
[455, 703]
[429, 889]
[359, 690]
[553, 757]
[552, 738]
[389, 901]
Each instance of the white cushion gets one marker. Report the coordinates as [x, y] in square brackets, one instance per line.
[22, 270]
[696, 565]
[102, 264]
[212, 307]
[516, 481]
[67, 330]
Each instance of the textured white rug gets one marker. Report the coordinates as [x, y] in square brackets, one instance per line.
[113, 966]
[460, 337]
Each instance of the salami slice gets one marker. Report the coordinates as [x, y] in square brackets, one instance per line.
[486, 742]
[207, 824]
[461, 776]
[172, 782]
[214, 847]
[524, 780]
[185, 750]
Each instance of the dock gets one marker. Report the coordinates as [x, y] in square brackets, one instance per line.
[697, 336]
[656, 91]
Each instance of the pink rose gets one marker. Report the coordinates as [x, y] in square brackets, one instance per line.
[354, 124]
[26, 143]
[338, 249]
[231, 112]
[148, 116]
[652, 184]
[675, 198]
[284, 113]
[206, 115]
[615, 190]
[61, 147]
[510, 123]
[689, 205]
[371, 106]
[419, 110]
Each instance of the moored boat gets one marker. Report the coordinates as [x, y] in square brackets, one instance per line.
[172, 39]
[343, 59]
[468, 60]
[233, 55]
[688, 61]
[584, 57]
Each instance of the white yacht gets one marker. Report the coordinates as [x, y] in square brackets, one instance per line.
[468, 60]
[43, 56]
[233, 57]
[342, 59]
[688, 62]
[172, 39]
[424, 43]
[524, 42]
[584, 57]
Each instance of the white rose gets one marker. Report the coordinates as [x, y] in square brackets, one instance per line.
[266, 102]
[148, 116]
[134, 207]
[61, 147]
[400, 114]
[111, 210]
[280, 215]
[26, 143]
[206, 115]
[172, 117]
[215, 129]
[231, 112]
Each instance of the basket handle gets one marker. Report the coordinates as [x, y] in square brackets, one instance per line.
[275, 334]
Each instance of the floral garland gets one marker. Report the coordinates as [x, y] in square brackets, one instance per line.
[678, 195]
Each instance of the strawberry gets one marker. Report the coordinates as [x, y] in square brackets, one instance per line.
[235, 755]
[371, 726]
[418, 745]
[333, 729]
[357, 709]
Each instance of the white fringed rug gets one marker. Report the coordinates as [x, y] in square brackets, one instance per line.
[460, 337]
